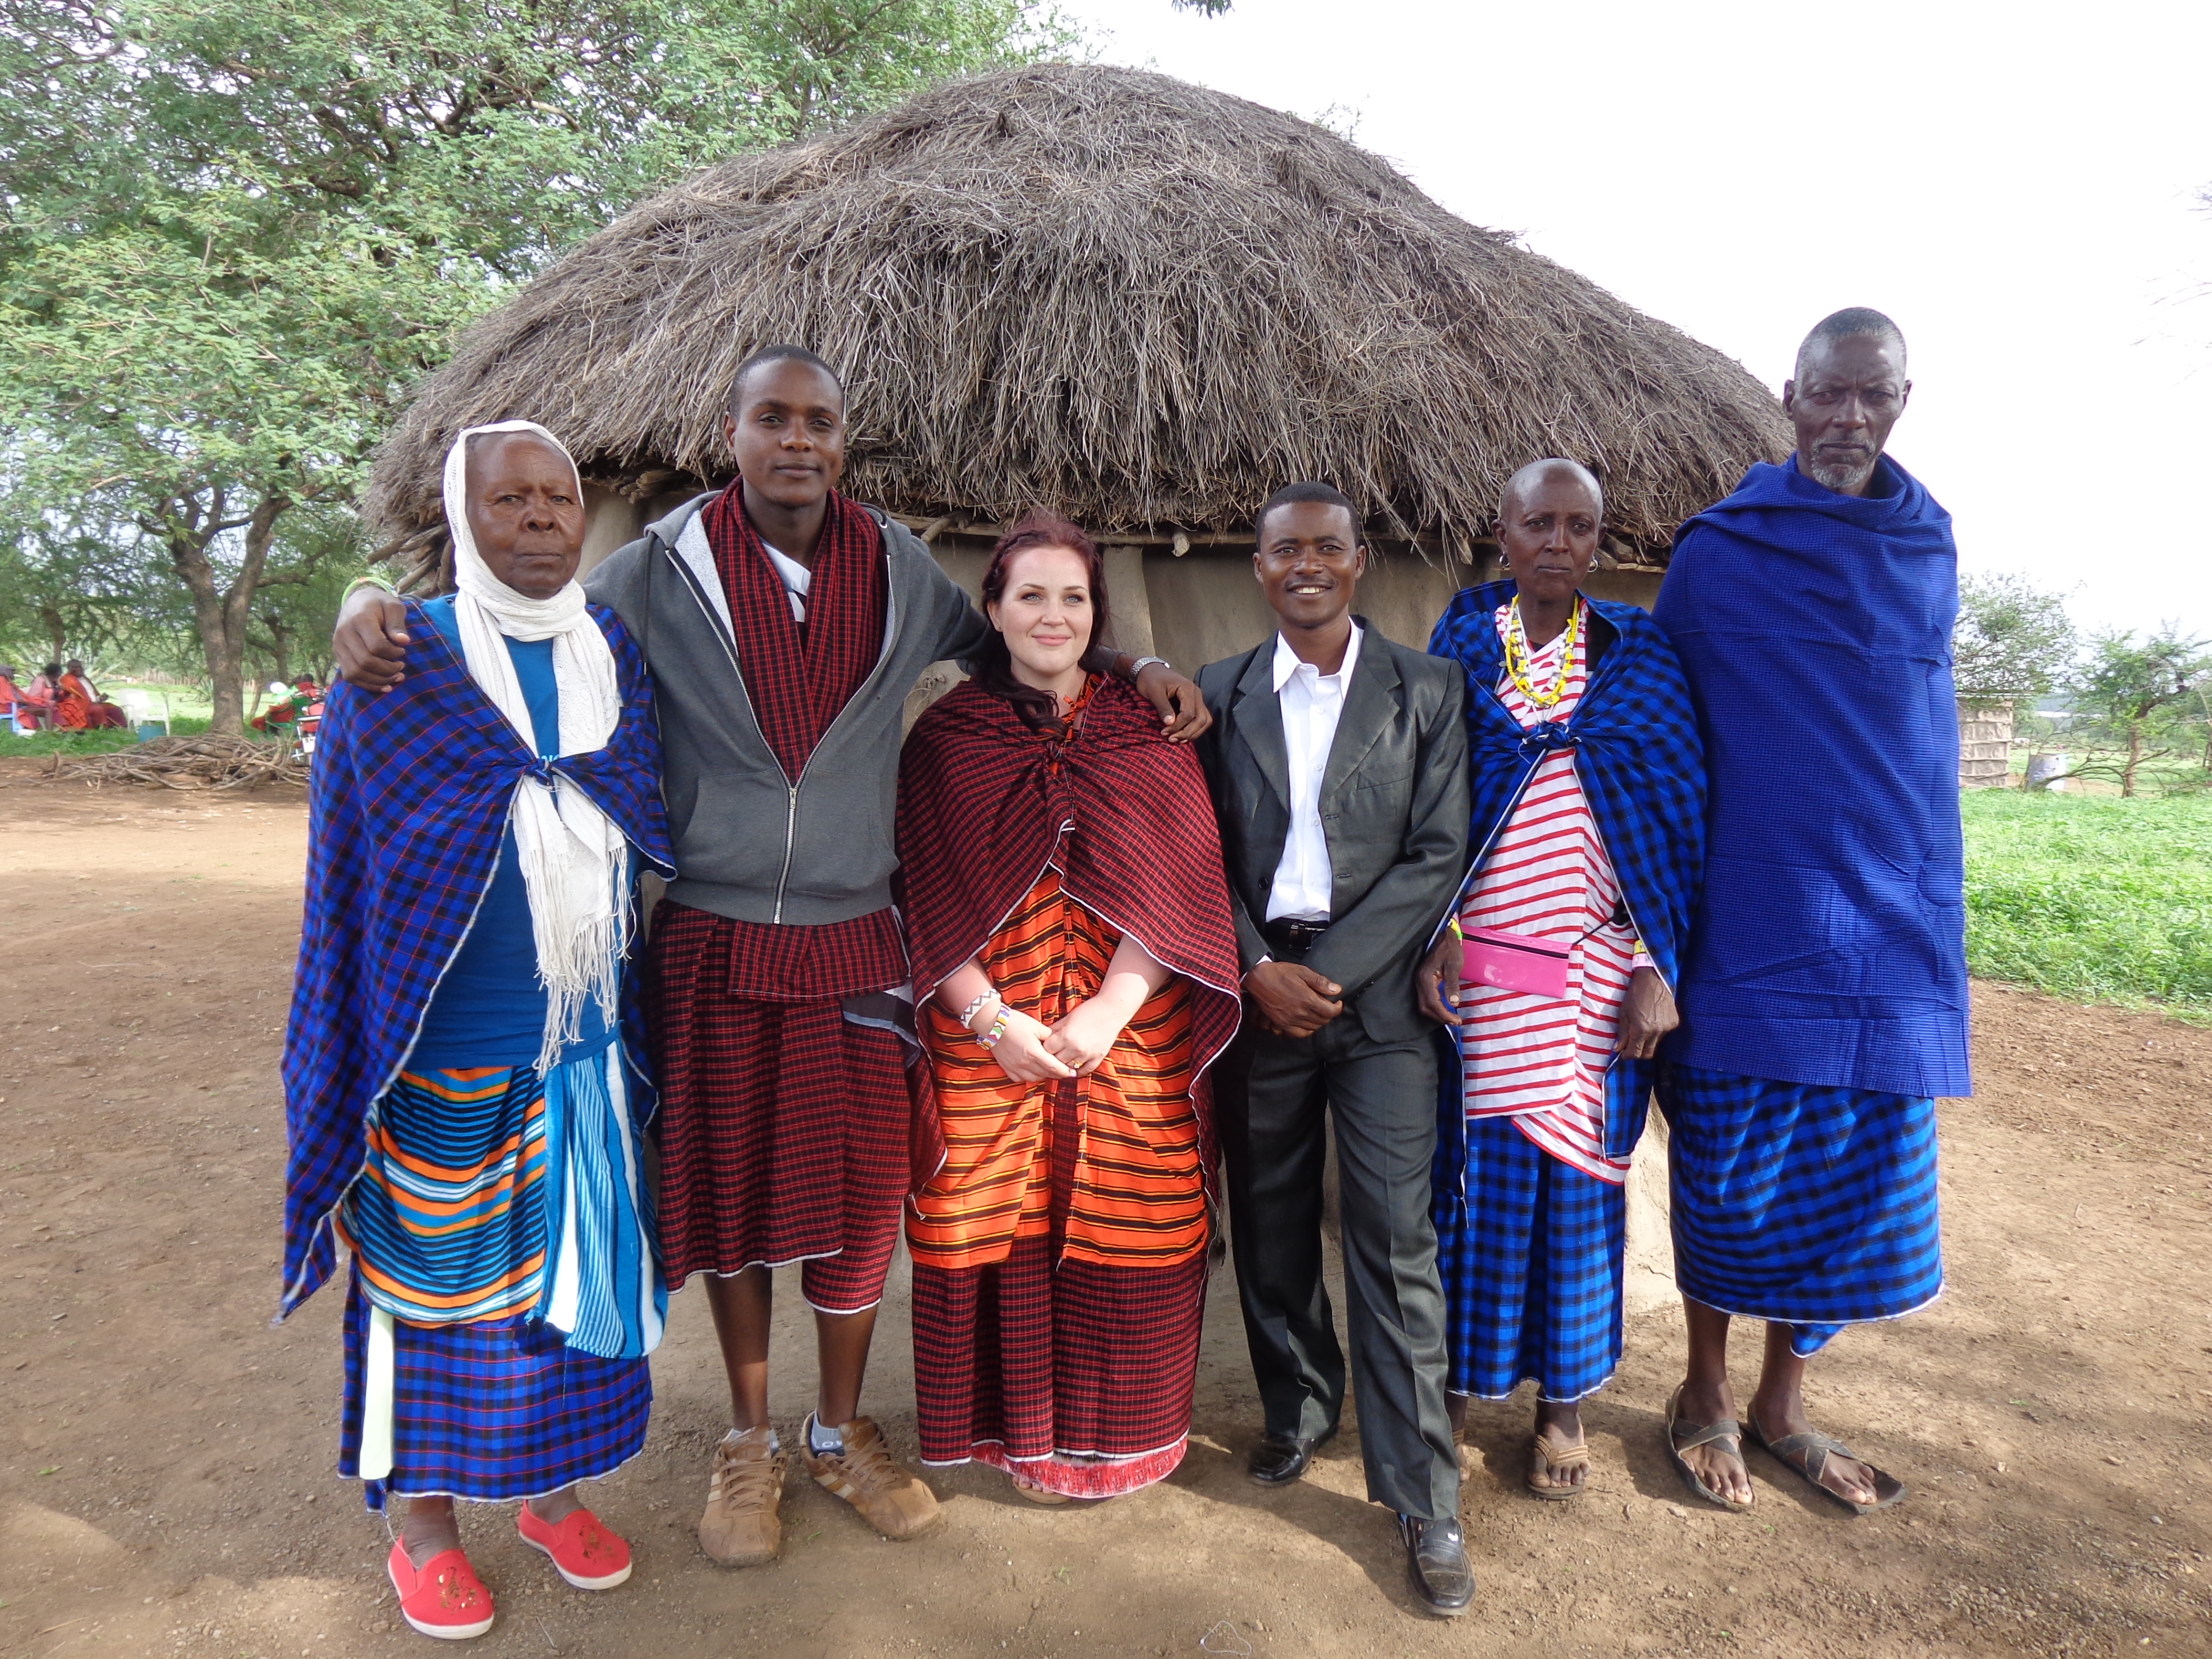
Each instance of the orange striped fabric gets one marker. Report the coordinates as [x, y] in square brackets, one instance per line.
[1110, 1163]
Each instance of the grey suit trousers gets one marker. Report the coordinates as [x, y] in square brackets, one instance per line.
[1272, 1096]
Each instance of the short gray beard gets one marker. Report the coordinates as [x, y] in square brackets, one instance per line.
[1842, 479]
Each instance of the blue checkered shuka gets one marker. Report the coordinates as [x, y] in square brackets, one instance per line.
[1811, 1205]
[408, 802]
[1531, 1248]
[499, 1410]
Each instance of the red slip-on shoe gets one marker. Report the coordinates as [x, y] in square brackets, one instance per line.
[585, 1551]
[443, 1597]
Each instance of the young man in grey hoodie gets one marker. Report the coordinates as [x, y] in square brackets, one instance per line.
[785, 624]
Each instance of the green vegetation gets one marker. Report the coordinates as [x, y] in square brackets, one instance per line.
[2103, 900]
[87, 743]
[233, 236]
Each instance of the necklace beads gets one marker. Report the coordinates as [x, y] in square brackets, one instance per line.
[1518, 658]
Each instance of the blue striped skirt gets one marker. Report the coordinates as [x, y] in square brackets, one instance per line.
[1532, 1265]
[495, 1411]
[504, 1291]
[1811, 1205]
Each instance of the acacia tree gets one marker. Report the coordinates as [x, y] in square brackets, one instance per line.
[2012, 639]
[232, 235]
[2138, 695]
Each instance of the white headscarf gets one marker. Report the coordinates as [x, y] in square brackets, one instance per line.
[571, 857]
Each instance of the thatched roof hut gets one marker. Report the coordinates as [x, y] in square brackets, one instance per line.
[1136, 301]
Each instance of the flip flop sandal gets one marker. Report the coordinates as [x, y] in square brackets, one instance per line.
[1544, 1462]
[1683, 1436]
[1806, 1456]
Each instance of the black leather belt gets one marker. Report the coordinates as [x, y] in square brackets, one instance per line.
[1288, 940]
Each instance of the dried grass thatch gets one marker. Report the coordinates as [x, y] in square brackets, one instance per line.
[1136, 301]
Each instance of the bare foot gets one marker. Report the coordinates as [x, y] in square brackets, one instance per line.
[1849, 1479]
[1559, 1431]
[1718, 1468]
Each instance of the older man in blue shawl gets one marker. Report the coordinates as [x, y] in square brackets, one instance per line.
[1824, 1003]
[463, 1107]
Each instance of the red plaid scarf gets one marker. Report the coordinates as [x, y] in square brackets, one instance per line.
[798, 678]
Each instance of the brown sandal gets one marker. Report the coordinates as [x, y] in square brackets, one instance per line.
[1543, 1461]
[1806, 1456]
[1687, 1436]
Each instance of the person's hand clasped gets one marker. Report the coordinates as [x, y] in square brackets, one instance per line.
[1647, 1014]
[369, 643]
[1437, 981]
[1085, 1036]
[1021, 1054]
[1184, 716]
[1294, 1000]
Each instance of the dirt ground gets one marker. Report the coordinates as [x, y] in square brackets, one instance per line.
[167, 1484]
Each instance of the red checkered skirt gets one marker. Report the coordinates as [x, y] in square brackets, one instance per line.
[1078, 1378]
[783, 1127]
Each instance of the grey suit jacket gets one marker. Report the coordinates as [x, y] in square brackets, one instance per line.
[1393, 809]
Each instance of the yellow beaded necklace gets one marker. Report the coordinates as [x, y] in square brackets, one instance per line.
[1517, 657]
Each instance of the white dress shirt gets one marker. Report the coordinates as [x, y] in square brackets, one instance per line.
[796, 577]
[1311, 702]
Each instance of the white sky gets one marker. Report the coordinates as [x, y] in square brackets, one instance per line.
[2015, 185]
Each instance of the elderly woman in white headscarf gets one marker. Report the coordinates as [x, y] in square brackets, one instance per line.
[464, 1112]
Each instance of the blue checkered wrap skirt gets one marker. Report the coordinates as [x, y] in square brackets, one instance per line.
[1532, 1265]
[496, 1411]
[1808, 1204]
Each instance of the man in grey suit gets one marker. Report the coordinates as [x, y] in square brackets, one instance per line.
[1338, 765]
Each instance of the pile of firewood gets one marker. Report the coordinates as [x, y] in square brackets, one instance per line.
[193, 763]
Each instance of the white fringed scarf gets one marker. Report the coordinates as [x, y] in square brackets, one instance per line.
[572, 856]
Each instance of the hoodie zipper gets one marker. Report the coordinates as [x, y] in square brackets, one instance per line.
[793, 785]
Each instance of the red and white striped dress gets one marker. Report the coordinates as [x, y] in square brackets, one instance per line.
[1541, 1062]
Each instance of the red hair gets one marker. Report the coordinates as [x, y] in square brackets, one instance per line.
[994, 668]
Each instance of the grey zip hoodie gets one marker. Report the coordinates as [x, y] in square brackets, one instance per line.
[750, 842]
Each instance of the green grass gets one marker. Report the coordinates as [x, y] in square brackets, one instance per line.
[2100, 900]
[87, 743]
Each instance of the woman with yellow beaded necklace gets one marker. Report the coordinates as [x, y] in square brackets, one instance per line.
[1589, 803]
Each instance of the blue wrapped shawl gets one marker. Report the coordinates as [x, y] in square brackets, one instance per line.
[1635, 737]
[1815, 630]
[408, 801]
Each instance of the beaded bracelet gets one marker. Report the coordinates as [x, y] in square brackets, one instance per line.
[968, 1012]
[990, 1039]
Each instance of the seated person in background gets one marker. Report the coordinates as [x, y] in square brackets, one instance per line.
[13, 704]
[41, 697]
[80, 704]
[462, 1107]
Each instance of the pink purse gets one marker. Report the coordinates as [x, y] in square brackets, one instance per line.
[1514, 961]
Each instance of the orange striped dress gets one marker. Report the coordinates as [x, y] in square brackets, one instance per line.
[1059, 1250]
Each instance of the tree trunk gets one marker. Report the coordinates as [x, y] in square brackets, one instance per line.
[220, 614]
[57, 634]
[2134, 758]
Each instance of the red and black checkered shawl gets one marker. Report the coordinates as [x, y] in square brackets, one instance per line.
[985, 803]
[798, 677]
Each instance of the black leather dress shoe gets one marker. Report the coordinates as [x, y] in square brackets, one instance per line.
[1282, 1458]
[1437, 1565]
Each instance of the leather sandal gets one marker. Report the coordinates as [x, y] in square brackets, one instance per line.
[1544, 1462]
[1688, 1436]
[1807, 1456]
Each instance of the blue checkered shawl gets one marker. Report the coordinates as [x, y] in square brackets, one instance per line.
[408, 802]
[1634, 735]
